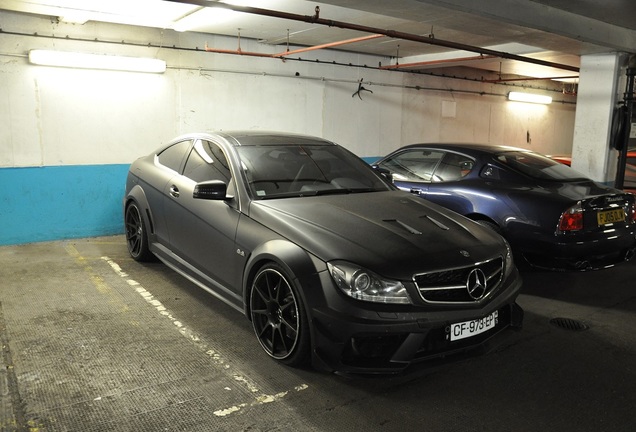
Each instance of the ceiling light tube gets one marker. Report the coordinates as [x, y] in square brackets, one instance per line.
[529, 97]
[96, 61]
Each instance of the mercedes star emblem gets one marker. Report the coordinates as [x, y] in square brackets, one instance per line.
[476, 284]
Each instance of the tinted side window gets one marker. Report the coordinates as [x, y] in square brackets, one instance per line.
[453, 167]
[413, 165]
[207, 162]
[538, 166]
[173, 155]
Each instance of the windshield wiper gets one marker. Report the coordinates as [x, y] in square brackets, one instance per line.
[342, 191]
[306, 193]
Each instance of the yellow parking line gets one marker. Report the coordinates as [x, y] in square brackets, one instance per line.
[99, 283]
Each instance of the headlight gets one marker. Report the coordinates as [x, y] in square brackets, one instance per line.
[509, 262]
[364, 285]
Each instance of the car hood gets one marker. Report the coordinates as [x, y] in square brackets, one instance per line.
[390, 232]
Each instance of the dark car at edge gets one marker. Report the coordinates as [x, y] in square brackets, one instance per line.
[326, 258]
[554, 217]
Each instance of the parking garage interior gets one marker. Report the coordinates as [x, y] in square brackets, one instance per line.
[93, 340]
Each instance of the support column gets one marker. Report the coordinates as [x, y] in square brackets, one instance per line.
[596, 100]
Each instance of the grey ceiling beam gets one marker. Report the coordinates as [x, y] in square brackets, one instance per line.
[535, 15]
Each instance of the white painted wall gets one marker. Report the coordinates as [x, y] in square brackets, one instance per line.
[52, 116]
[598, 95]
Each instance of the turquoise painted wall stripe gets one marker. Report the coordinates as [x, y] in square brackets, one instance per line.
[371, 159]
[60, 202]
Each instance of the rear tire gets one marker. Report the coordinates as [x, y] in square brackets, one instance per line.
[278, 316]
[136, 235]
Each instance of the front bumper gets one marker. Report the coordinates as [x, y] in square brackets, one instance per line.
[360, 337]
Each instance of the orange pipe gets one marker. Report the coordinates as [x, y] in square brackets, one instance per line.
[300, 50]
[315, 19]
[329, 45]
[237, 52]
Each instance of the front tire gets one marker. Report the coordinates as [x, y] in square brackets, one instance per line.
[136, 236]
[278, 316]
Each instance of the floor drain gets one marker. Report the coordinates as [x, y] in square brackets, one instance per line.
[568, 324]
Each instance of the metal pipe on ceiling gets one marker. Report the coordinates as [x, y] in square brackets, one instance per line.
[315, 19]
[500, 80]
[329, 45]
[239, 51]
[435, 62]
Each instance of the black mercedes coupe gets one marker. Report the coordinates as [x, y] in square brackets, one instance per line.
[327, 259]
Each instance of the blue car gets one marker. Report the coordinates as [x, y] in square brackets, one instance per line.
[553, 217]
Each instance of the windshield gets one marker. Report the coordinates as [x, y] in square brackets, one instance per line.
[298, 170]
[539, 166]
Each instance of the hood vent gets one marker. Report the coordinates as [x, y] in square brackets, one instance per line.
[438, 223]
[405, 226]
[413, 230]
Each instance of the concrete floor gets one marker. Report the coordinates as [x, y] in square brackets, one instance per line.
[94, 341]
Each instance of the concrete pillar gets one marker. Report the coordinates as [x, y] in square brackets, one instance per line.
[596, 100]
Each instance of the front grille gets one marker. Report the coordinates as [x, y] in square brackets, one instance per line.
[451, 285]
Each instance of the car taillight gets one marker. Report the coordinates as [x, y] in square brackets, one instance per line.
[631, 213]
[572, 219]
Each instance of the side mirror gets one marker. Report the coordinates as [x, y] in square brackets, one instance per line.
[210, 190]
[385, 173]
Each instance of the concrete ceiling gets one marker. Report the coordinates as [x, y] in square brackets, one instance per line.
[553, 33]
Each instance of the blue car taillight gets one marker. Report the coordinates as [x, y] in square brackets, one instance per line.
[572, 219]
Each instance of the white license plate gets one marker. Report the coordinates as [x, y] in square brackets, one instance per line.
[467, 329]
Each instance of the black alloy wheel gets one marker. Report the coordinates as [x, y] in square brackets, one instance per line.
[136, 237]
[278, 316]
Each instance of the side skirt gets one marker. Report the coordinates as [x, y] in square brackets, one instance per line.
[186, 270]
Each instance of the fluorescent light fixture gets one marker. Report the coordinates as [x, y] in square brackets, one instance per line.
[96, 61]
[204, 17]
[529, 97]
[74, 18]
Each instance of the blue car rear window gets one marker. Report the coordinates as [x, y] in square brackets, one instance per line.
[538, 166]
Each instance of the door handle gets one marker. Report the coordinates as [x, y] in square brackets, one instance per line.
[416, 191]
[174, 191]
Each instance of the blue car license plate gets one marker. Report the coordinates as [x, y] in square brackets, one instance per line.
[467, 329]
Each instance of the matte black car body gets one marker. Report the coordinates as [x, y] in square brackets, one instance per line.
[523, 195]
[269, 236]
